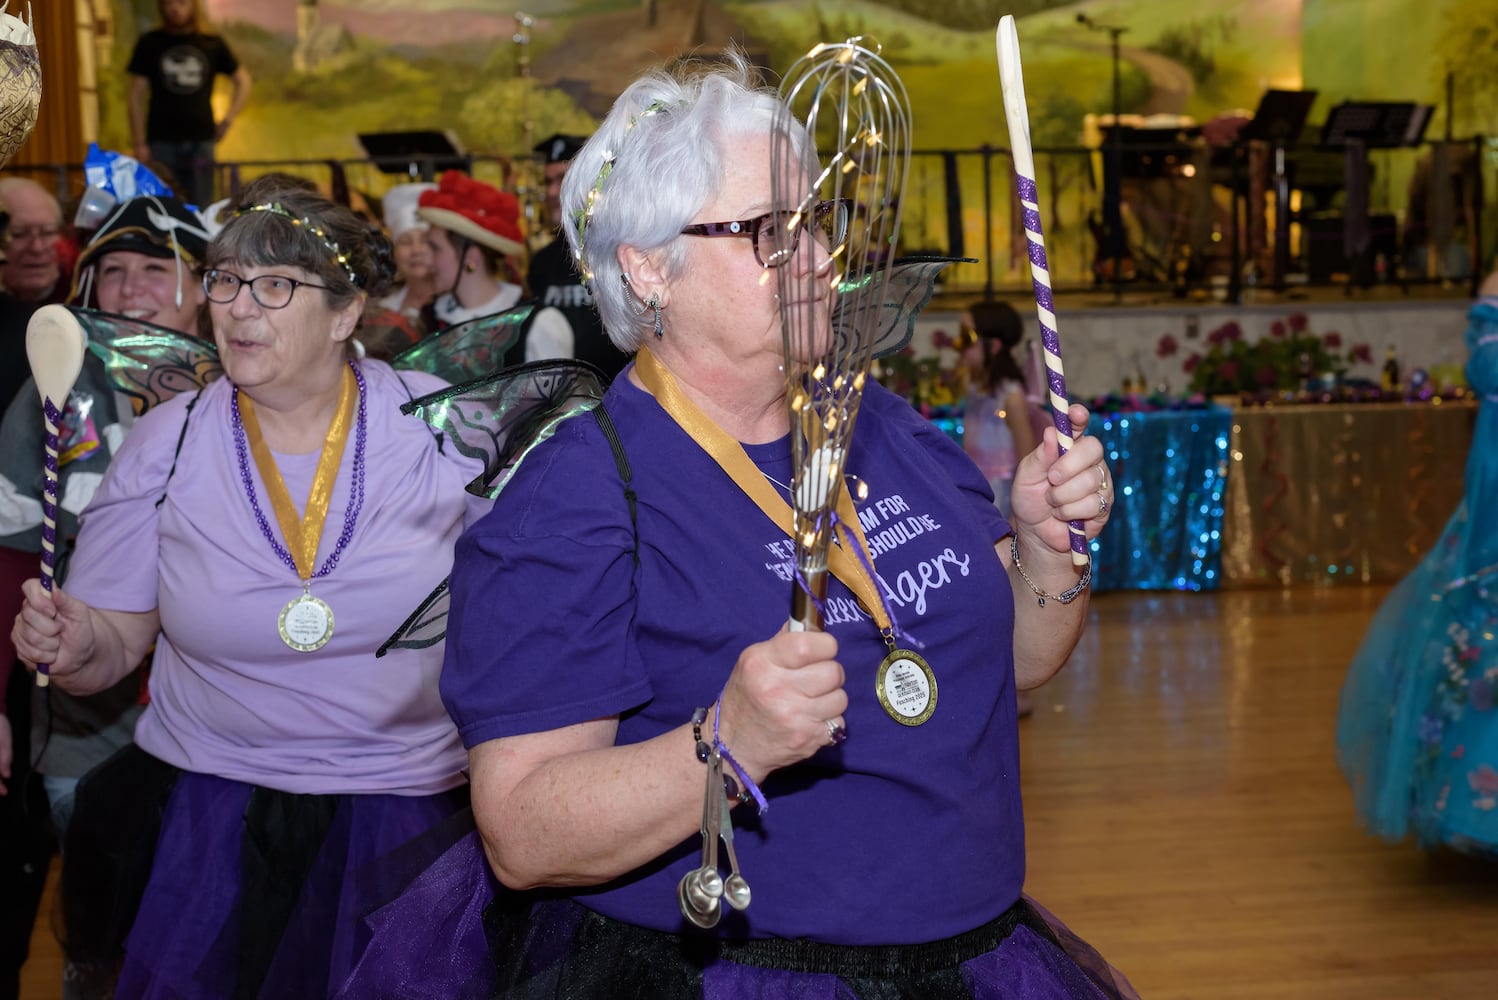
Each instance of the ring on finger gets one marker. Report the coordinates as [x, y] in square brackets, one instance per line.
[837, 733]
[1102, 504]
[1102, 478]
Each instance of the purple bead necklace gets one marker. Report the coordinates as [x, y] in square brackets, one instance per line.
[356, 491]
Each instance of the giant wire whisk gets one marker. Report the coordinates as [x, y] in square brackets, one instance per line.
[846, 190]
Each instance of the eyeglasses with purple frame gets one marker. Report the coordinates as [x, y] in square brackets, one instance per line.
[768, 232]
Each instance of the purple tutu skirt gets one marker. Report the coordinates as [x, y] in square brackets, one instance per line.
[453, 934]
[205, 929]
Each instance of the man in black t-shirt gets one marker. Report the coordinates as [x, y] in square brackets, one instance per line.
[552, 277]
[171, 88]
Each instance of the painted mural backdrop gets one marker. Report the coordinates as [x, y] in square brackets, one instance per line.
[326, 71]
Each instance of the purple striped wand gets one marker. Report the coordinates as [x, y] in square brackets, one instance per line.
[54, 347]
[1012, 79]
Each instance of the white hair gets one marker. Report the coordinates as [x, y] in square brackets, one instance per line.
[654, 162]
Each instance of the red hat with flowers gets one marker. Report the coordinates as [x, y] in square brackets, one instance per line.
[479, 211]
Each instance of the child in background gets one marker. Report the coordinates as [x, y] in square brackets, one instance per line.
[997, 424]
[1000, 423]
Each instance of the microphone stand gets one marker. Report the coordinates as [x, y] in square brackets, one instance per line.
[1112, 176]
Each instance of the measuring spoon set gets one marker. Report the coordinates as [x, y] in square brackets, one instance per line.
[703, 890]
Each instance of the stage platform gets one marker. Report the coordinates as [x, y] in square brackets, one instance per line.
[1105, 339]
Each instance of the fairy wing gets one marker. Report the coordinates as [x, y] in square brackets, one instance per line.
[149, 364]
[468, 350]
[892, 308]
[498, 419]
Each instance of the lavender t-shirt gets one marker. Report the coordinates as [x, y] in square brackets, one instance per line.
[228, 697]
[902, 834]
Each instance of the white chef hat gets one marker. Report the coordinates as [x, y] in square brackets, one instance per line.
[399, 204]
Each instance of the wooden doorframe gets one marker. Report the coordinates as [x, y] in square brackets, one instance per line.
[59, 134]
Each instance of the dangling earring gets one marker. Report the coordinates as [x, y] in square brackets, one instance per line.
[655, 304]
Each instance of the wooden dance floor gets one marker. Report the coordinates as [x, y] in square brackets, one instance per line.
[1186, 815]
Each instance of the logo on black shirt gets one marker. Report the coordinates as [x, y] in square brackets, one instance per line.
[184, 70]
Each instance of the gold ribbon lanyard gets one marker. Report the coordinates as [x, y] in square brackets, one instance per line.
[306, 623]
[905, 685]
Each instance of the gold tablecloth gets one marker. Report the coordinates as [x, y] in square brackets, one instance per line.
[1336, 493]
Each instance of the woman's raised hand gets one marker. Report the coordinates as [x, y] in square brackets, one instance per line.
[55, 629]
[1051, 489]
[780, 699]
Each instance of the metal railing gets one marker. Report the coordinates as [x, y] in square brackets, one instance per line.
[1186, 216]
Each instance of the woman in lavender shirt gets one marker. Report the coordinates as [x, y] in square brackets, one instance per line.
[599, 627]
[265, 534]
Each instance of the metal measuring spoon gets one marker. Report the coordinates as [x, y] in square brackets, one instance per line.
[700, 891]
[735, 887]
[713, 801]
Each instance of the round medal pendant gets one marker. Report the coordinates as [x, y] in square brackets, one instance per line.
[906, 687]
[306, 624]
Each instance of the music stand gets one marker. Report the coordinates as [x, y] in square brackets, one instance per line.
[1354, 127]
[1279, 121]
[1280, 117]
[415, 155]
[1378, 124]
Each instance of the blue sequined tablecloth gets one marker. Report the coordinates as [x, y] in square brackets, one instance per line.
[1170, 469]
[1170, 472]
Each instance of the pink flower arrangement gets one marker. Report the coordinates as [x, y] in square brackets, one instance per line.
[1227, 333]
[1287, 358]
[1166, 347]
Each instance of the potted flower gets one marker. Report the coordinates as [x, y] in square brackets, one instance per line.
[1287, 359]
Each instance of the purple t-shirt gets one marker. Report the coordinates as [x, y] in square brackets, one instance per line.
[228, 697]
[902, 834]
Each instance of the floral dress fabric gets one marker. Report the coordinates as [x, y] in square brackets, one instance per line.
[1417, 734]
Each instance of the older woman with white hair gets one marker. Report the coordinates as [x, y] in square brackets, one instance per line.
[624, 606]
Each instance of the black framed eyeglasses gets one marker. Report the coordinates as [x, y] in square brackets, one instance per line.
[776, 235]
[271, 291]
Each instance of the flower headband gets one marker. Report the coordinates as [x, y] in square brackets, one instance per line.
[276, 208]
[584, 214]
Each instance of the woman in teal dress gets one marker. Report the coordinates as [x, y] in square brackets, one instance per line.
[1417, 735]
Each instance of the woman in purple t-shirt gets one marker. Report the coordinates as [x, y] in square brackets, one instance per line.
[265, 534]
[604, 632]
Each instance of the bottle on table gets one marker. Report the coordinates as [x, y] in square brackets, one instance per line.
[1390, 380]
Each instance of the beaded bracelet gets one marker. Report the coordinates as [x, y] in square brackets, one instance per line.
[1042, 596]
[730, 786]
